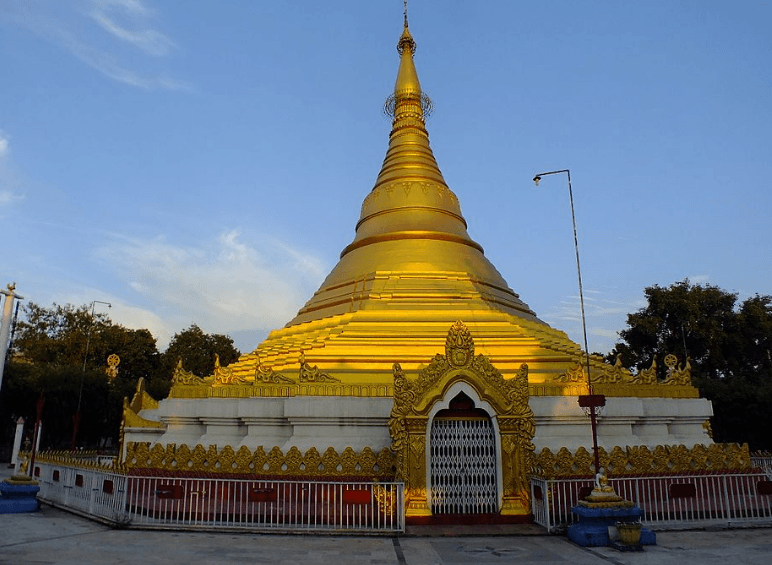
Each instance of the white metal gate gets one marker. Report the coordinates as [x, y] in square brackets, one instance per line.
[463, 466]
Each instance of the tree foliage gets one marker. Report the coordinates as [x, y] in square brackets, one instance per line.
[62, 352]
[197, 351]
[728, 346]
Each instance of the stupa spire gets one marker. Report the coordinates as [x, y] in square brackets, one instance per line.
[410, 198]
[410, 273]
[407, 78]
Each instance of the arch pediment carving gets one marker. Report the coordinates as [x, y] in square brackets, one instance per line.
[508, 397]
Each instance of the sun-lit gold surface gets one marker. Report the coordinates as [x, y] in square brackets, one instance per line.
[85, 459]
[637, 460]
[274, 462]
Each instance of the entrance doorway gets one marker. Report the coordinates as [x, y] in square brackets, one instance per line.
[463, 460]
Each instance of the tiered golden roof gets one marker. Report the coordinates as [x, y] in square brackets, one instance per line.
[411, 271]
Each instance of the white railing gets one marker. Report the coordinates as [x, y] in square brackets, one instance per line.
[763, 462]
[92, 492]
[667, 501]
[288, 506]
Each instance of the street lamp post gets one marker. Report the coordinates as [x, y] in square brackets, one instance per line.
[590, 401]
[5, 324]
[76, 417]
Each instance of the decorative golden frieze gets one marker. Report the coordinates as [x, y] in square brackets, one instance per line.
[265, 383]
[309, 374]
[615, 373]
[266, 375]
[80, 459]
[629, 390]
[677, 376]
[224, 375]
[349, 463]
[575, 374]
[663, 459]
[181, 377]
[616, 381]
[647, 376]
[280, 389]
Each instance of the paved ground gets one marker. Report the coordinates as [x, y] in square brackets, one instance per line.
[52, 536]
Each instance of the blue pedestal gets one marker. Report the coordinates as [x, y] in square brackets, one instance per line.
[592, 528]
[17, 498]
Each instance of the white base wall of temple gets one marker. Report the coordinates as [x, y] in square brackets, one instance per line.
[340, 422]
[560, 422]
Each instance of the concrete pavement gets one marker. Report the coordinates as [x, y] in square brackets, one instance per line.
[55, 537]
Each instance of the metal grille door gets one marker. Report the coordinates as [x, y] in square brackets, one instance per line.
[463, 466]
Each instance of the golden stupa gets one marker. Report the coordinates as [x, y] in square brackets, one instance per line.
[410, 273]
[412, 329]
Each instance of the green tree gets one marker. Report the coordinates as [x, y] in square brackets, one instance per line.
[50, 355]
[728, 346]
[197, 351]
[688, 320]
[56, 335]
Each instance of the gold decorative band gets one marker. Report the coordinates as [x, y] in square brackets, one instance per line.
[663, 459]
[273, 463]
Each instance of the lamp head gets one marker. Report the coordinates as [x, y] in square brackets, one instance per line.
[536, 180]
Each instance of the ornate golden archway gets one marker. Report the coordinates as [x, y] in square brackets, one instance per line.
[508, 398]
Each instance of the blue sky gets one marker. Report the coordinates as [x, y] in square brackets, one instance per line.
[204, 162]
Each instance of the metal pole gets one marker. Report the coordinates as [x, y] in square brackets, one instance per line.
[592, 401]
[36, 436]
[5, 326]
[76, 416]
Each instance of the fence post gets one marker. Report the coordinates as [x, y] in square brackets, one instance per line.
[725, 498]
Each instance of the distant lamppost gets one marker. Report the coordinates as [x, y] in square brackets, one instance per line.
[590, 402]
[76, 417]
[5, 323]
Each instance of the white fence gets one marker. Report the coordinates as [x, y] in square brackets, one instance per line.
[763, 462]
[231, 504]
[667, 501]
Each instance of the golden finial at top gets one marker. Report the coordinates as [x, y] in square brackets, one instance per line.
[406, 40]
[407, 84]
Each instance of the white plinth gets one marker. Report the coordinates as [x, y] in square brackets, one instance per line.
[340, 422]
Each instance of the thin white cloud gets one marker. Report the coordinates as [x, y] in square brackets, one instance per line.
[9, 184]
[7, 197]
[223, 286]
[65, 24]
[123, 313]
[145, 39]
[605, 313]
[109, 65]
[603, 332]
[3, 145]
